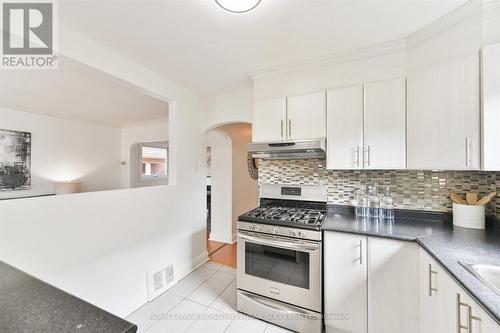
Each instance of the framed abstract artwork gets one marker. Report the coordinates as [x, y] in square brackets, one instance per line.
[15, 160]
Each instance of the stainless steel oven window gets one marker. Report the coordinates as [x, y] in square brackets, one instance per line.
[286, 266]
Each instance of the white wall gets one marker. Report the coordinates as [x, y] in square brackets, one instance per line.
[231, 107]
[459, 32]
[453, 36]
[245, 189]
[234, 192]
[491, 21]
[339, 73]
[221, 186]
[157, 131]
[64, 150]
[100, 245]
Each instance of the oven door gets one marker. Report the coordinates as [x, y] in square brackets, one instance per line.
[285, 269]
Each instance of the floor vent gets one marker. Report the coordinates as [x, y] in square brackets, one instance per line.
[159, 281]
[169, 274]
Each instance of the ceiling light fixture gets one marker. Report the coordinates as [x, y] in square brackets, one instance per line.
[238, 6]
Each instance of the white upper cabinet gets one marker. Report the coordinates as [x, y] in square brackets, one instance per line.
[269, 120]
[345, 128]
[299, 117]
[491, 106]
[385, 124]
[444, 116]
[367, 126]
[306, 116]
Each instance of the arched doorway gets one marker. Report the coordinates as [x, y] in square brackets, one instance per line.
[231, 190]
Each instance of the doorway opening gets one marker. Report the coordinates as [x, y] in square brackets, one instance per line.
[231, 190]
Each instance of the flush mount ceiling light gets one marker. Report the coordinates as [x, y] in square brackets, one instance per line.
[238, 6]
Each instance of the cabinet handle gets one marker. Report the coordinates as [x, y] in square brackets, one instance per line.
[289, 128]
[470, 317]
[368, 155]
[431, 289]
[356, 151]
[459, 315]
[281, 129]
[468, 150]
[360, 245]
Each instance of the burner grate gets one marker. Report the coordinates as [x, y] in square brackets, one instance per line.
[288, 214]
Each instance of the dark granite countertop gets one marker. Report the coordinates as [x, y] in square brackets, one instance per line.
[448, 245]
[468, 246]
[29, 305]
[408, 225]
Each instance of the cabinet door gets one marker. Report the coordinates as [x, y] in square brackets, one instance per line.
[487, 323]
[345, 128]
[306, 116]
[491, 106]
[443, 116]
[470, 313]
[269, 120]
[438, 309]
[345, 282]
[446, 293]
[385, 124]
[393, 274]
[468, 310]
[430, 309]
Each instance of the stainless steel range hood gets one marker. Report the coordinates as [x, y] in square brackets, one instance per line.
[287, 150]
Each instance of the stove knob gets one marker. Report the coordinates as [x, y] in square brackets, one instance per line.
[293, 233]
[275, 230]
[251, 227]
[258, 228]
[301, 234]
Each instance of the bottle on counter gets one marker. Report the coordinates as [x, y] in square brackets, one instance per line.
[373, 202]
[361, 208]
[387, 205]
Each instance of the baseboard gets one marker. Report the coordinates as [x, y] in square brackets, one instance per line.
[191, 266]
[216, 238]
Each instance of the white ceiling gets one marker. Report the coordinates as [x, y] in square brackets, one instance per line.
[197, 44]
[77, 92]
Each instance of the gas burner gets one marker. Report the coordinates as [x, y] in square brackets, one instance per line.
[287, 209]
[288, 215]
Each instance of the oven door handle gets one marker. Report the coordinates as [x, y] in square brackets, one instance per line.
[263, 240]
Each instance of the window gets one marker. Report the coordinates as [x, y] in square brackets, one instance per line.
[154, 161]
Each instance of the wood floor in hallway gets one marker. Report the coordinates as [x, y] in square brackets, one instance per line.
[225, 255]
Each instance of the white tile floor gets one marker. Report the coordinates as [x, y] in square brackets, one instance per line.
[204, 301]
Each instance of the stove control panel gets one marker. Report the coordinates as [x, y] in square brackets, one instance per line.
[280, 231]
[297, 233]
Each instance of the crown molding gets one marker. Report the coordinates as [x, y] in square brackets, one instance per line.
[462, 13]
[394, 46]
[446, 22]
[491, 4]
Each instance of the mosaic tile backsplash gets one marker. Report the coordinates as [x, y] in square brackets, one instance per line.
[422, 190]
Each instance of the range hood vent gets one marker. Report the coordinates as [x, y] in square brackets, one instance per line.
[288, 150]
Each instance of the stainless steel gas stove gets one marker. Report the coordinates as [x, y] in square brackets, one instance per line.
[280, 257]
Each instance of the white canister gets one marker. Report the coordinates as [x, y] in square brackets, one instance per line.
[469, 216]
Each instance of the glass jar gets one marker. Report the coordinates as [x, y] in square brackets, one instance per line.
[373, 202]
[387, 205]
[361, 209]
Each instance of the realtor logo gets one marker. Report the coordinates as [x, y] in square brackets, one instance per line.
[28, 35]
